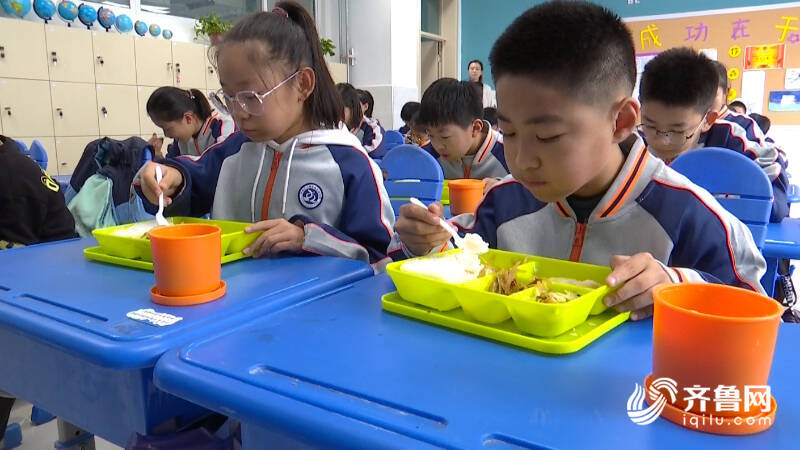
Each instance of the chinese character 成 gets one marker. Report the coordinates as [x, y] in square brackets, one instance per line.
[649, 36]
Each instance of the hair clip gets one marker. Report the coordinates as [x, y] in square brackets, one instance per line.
[280, 11]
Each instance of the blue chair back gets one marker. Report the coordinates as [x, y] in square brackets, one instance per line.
[39, 154]
[737, 183]
[392, 139]
[412, 172]
[23, 147]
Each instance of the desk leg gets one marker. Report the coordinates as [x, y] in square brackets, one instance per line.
[768, 280]
[71, 437]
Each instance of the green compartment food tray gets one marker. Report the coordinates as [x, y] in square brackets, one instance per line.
[506, 332]
[234, 239]
[97, 254]
[529, 316]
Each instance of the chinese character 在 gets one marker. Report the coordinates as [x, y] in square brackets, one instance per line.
[727, 398]
[699, 30]
[740, 29]
[757, 396]
[696, 393]
[786, 27]
[648, 36]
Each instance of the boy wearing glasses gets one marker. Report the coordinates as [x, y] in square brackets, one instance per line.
[677, 93]
[584, 186]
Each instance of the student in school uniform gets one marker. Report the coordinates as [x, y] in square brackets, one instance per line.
[738, 107]
[475, 71]
[306, 183]
[371, 131]
[465, 145]
[677, 93]
[368, 132]
[406, 113]
[186, 116]
[417, 134]
[584, 186]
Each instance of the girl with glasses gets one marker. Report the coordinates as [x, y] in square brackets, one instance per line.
[307, 185]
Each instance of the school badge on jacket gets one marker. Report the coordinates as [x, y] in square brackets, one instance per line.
[310, 195]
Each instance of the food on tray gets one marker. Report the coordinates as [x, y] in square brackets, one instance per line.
[138, 230]
[584, 283]
[507, 283]
[458, 267]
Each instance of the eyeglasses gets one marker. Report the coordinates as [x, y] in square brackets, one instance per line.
[671, 137]
[251, 102]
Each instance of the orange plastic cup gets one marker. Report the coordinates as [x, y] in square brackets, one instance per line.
[711, 335]
[187, 263]
[465, 195]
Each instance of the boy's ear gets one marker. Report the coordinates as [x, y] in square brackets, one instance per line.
[477, 127]
[306, 81]
[625, 116]
[709, 120]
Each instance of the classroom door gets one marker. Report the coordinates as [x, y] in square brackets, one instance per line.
[69, 54]
[22, 58]
[190, 62]
[153, 62]
[430, 61]
[74, 109]
[25, 107]
[117, 111]
[114, 58]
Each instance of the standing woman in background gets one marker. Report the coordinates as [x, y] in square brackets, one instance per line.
[475, 70]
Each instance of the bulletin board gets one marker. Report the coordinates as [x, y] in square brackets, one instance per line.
[746, 42]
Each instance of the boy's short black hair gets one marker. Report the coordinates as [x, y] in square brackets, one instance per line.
[680, 77]
[737, 103]
[449, 101]
[408, 111]
[763, 122]
[582, 48]
[490, 115]
[722, 74]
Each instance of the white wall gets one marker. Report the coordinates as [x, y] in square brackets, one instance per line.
[385, 37]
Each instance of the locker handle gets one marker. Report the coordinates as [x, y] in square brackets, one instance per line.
[54, 58]
[169, 66]
[211, 70]
[7, 109]
[104, 111]
[2, 52]
[100, 60]
[60, 112]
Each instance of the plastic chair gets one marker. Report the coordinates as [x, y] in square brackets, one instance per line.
[738, 184]
[23, 147]
[392, 139]
[39, 154]
[411, 172]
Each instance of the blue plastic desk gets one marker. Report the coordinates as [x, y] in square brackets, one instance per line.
[68, 347]
[782, 241]
[339, 372]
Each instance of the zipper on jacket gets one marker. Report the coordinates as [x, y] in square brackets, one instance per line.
[273, 171]
[577, 242]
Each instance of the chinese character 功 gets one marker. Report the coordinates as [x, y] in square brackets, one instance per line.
[696, 393]
[701, 29]
[740, 29]
[648, 35]
[757, 396]
[727, 398]
[787, 26]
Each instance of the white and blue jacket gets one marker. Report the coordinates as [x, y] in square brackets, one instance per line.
[322, 178]
[488, 162]
[648, 208]
[215, 129]
[370, 132]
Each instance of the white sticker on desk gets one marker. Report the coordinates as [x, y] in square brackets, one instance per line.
[154, 318]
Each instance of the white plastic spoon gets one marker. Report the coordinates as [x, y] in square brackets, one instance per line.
[459, 241]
